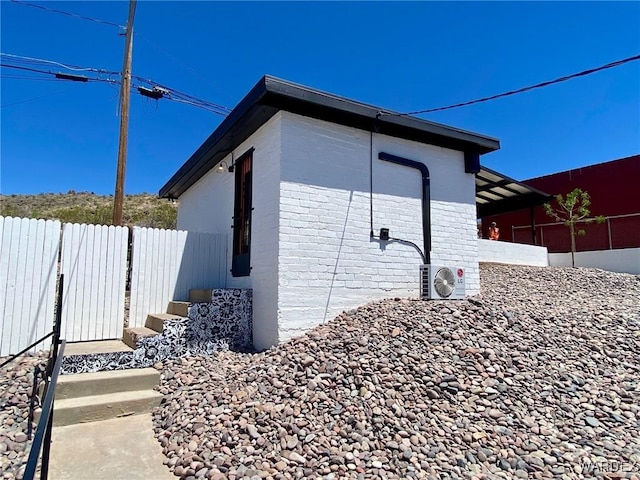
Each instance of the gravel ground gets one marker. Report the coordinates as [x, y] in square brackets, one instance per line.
[539, 377]
[16, 382]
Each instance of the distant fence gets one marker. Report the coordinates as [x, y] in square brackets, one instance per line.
[95, 260]
[618, 231]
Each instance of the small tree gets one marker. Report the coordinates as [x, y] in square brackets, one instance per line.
[572, 210]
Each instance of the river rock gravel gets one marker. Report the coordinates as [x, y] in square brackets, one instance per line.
[538, 377]
[16, 384]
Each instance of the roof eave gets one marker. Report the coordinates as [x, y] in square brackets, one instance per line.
[271, 94]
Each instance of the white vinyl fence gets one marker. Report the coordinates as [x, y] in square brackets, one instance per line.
[94, 264]
[93, 258]
[28, 276]
[168, 263]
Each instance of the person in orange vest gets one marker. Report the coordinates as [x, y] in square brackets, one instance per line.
[494, 231]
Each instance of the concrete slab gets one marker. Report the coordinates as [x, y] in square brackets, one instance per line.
[117, 449]
[103, 407]
[179, 308]
[131, 335]
[101, 346]
[155, 321]
[101, 383]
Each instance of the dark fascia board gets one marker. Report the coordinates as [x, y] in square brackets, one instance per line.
[532, 198]
[271, 95]
[511, 180]
[520, 202]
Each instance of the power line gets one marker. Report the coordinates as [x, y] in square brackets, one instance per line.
[521, 90]
[175, 59]
[38, 61]
[137, 34]
[182, 97]
[69, 14]
[46, 72]
[31, 99]
[159, 90]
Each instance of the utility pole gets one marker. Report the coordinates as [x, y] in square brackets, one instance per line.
[125, 91]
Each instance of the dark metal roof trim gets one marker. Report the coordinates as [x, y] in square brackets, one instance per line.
[490, 201]
[271, 95]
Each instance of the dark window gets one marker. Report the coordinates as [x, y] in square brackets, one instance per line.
[240, 264]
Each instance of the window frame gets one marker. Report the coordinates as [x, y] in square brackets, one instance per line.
[242, 215]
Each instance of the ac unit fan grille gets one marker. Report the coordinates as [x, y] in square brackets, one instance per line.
[444, 282]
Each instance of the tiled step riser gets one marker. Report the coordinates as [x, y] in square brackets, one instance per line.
[202, 332]
[89, 384]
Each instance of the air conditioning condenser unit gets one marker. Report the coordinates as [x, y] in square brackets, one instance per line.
[441, 283]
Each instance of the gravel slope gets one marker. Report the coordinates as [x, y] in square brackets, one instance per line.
[536, 378]
[16, 383]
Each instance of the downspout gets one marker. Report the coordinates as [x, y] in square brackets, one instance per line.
[426, 200]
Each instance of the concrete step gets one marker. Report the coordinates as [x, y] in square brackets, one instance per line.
[155, 321]
[130, 335]
[179, 308]
[200, 295]
[93, 408]
[95, 347]
[101, 383]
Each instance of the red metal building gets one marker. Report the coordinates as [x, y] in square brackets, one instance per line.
[614, 188]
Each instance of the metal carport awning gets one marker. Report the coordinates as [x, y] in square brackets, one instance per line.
[496, 193]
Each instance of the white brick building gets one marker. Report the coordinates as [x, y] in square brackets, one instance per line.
[314, 176]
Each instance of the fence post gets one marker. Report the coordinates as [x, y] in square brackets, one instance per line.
[609, 233]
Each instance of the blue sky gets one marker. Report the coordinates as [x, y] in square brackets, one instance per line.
[399, 56]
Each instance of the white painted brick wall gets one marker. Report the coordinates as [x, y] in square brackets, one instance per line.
[208, 207]
[327, 261]
[310, 249]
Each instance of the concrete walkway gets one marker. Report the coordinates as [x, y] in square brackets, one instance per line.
[117, 449]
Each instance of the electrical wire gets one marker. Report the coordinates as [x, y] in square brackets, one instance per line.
[69, 14]
[520, 90]
[35, 70]
[31, 99]
[29, 64]
[38, 61]
[175, 59]
[122, 27]
[175, 95]
[29, 77]
[182, 97]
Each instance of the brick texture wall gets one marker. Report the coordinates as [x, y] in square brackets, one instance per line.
[311, 254]
[327, 261]
[208, 207]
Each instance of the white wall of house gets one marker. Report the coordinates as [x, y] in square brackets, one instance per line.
[624, 260]
[208, 207]
[311, 254]
[327, 262]
[512, 253]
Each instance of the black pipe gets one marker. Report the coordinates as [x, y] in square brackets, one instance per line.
[426, 197]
